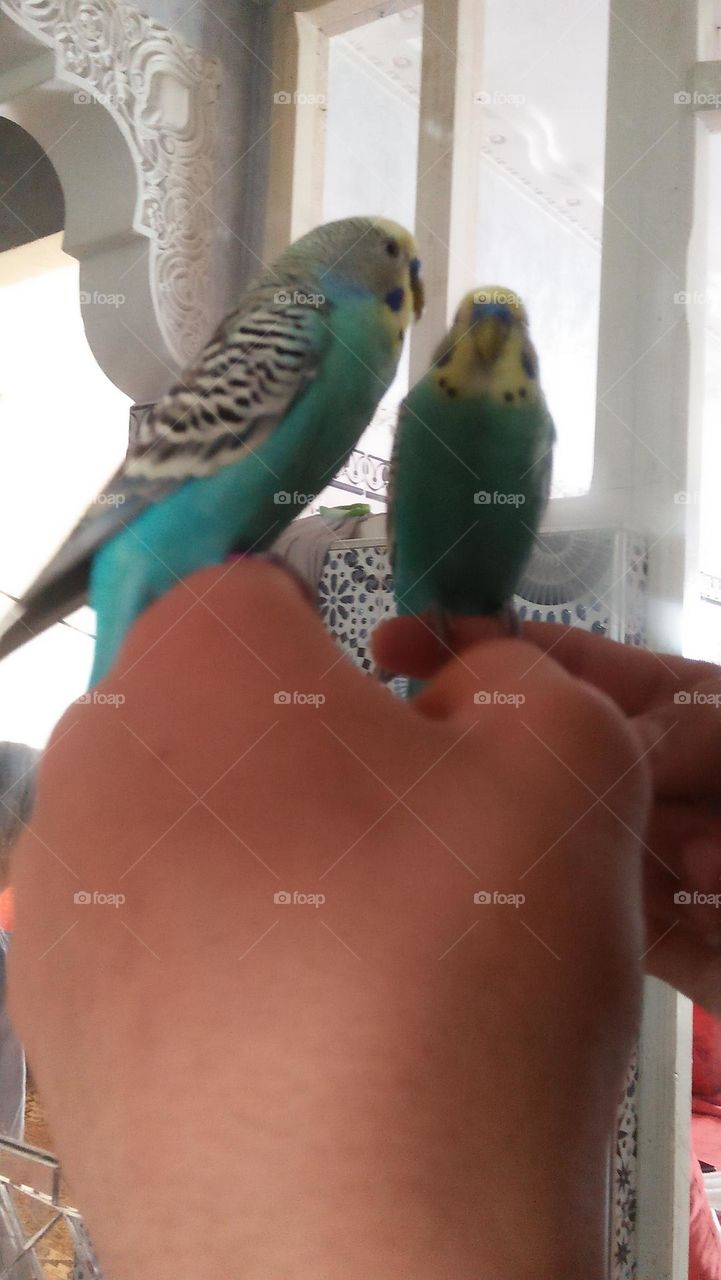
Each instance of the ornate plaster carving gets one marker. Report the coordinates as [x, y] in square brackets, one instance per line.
[364, 473]
[162, 95]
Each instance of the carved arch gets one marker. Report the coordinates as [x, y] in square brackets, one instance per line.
[125, 110]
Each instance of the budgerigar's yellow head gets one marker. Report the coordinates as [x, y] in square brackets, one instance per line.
[488, 350]
[388, 263]
[374, 254]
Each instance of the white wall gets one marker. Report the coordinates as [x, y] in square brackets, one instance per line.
[63, 431]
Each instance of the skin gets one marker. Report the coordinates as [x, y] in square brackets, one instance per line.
[375, 1087]
[682, 843]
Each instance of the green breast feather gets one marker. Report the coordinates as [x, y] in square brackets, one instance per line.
[470, 483]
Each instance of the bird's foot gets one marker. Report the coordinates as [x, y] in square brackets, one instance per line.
[438, 622]
[435, 623]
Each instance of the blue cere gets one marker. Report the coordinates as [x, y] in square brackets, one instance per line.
[395, 298]
[499, 309]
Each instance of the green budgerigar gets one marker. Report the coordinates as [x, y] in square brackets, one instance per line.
[471, 466]
[252, 432]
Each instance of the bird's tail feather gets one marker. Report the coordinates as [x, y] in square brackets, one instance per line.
[35, 614]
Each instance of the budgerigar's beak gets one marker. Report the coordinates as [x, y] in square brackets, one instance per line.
[491, 327]
[417, 290]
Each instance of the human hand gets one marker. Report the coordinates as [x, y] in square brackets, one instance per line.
[682, 736]
[365, 1087]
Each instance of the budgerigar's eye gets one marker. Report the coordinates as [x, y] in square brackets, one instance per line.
[392, 249]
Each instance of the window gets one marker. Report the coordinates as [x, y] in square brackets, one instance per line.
[371, 156]
[542, 92]
[702, 629]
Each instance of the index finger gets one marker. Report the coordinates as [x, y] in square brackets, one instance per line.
[633, 676]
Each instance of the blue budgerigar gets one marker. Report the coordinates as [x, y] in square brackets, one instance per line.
[251, 433]
[471, 467]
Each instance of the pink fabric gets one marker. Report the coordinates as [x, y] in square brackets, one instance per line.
[704, 1238]
[706, 1056]
[704, 1247]
[706, 1099]
[706, 1137]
